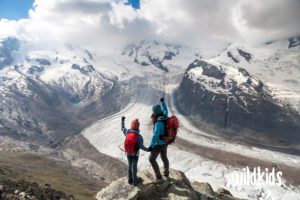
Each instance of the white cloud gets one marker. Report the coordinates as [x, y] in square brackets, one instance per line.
[121, 14]
[107, 25]
[267, 20]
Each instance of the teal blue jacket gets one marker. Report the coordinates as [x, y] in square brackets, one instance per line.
[159, 128]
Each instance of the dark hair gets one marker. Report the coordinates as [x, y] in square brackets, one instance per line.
[155, 117]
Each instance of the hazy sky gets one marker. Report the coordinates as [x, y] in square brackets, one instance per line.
[109, 24]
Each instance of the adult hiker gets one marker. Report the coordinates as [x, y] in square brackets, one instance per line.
[133, 143]
[158, 146]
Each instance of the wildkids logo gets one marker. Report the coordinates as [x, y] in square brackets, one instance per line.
[257, 176]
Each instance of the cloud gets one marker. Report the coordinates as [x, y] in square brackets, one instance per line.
[267, 20]
[85, 7]
[107, 25]
[196, 22]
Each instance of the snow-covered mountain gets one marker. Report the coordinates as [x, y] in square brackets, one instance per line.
[49, 95]
[276, 63]
[250, 94]
[53, 93]
[158, 54]
[231, 101]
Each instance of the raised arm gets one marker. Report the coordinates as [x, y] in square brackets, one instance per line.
[164, 107]
[123, 129]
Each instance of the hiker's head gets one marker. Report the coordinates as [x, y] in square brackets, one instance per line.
[135, 124]
[157, 111]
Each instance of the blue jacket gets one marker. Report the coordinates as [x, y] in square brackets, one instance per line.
[140, 142]
[159, 128]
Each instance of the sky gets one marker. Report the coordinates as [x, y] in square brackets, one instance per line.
[18, 9]
[15, 9]
[108, 25]
[134, 3]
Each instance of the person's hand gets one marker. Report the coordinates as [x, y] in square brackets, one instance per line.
[123, 118]
[162, 99]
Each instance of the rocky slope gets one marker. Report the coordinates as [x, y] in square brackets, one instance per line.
[40, 170]
[175, 188]
[76, 168]
[26, 190]
[222, 96]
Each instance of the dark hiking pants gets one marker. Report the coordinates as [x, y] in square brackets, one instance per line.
[162, 150]
[132, 168]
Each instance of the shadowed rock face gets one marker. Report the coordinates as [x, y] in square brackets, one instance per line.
[294, 42]
[234, 102]
[175, 188]
[244, 54]
[229, 54]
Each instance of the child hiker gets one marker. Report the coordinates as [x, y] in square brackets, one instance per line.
[133, 143]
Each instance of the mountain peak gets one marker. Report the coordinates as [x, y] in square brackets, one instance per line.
[154, 53]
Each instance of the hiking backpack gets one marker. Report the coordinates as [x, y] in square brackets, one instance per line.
[172, 125]
[131, 145]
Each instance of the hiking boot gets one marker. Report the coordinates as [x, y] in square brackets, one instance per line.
[138, 181]
[159, 180]
[166, 177]
[130, 181]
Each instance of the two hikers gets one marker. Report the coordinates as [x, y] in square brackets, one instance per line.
[164, 132]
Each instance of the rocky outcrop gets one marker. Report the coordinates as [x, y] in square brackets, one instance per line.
[177, 187]
[25, 190]
[294, 42]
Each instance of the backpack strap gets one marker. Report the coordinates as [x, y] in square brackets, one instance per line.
[164, 121]
[137, 146]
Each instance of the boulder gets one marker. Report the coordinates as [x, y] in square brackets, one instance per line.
[223, 192]
[203, 188]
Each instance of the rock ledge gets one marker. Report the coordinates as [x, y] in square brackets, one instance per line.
[177, 187]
